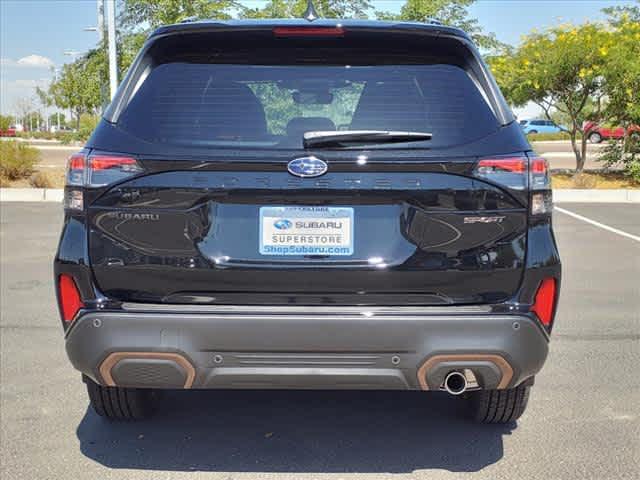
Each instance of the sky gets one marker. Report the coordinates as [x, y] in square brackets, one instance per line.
[34, 34]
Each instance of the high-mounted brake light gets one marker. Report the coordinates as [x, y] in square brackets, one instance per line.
[69, 297]
[545, 300]
[308, 32]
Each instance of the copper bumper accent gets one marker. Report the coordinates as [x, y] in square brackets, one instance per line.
[113, 358]
[500, 362]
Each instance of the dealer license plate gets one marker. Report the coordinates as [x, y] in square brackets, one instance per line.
[298, 230]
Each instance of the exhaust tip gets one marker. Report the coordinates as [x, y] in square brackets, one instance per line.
[455, 383]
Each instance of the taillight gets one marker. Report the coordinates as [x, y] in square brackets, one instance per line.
[106, 169]
[545, 300]
[508, 171]
[308, 32]
[69, 297]
[95, 170]
[489, 166]
[76, 169]
[518, 173]
[540, 186]
[539, 173]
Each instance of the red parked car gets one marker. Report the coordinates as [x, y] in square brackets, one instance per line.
[9, 132]
[597, 134]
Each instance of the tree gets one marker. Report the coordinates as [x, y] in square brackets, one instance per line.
[5, 122]
[622, 91]
[562, 69]
[449, 12]
[620, 14]
[622, 68]
[153, 13]
[23, 108]
[58, 116]
[82, 86]
[78, 88]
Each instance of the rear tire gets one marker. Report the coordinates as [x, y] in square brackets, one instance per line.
[118, 403]
[499, 406]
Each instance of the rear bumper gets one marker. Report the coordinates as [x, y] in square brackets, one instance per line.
[304, 347]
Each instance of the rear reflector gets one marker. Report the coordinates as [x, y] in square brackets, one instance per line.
[545, 301]
[69, 297]
[308, 32]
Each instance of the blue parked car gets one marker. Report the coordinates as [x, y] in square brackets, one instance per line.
[539, 126]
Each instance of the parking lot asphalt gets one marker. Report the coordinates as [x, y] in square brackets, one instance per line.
[582, 421]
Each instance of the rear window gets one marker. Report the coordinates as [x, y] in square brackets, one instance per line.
[248, 105]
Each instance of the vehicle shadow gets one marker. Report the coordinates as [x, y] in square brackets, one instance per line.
[297, 431]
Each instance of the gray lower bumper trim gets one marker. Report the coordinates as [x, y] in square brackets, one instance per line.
[304, 347]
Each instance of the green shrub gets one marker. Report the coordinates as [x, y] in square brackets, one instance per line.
[70, 137]
[36, 135]
[17, 160]
[625, 154]
[43, 180]
[545, 137]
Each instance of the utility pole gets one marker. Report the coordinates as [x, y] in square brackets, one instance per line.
[111, 38]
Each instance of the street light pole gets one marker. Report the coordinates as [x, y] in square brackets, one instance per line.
[111, 38]
[55, 79]
[100, 25]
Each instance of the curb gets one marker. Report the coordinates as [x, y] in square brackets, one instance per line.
[31, 195]
[559, 195]
[596, 196]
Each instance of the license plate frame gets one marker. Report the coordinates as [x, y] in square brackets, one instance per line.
[298, 230]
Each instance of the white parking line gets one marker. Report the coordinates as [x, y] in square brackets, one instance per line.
[598, 224]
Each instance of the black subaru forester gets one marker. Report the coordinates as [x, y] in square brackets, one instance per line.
[294, 204]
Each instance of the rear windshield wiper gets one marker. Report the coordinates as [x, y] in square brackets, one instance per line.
[359, 137]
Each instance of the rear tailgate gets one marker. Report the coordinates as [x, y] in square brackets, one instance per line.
[442, 238]
[213, 216]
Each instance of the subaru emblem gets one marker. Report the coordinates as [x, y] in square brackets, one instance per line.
[307, 167]
[283, 224]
